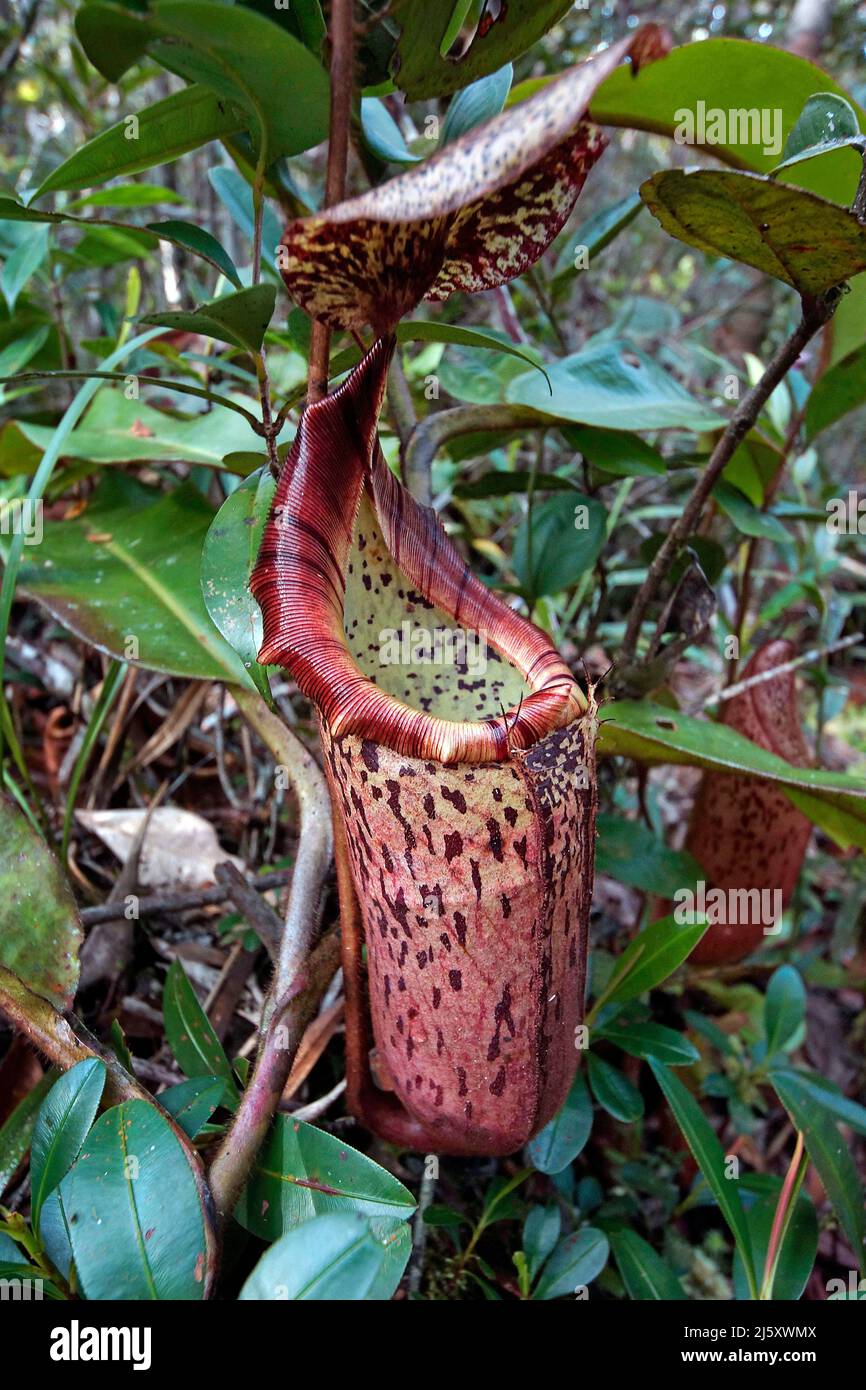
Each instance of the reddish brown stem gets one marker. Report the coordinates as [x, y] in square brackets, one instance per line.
[816, 313]
[754, 543]
[782, 1217]
[342, 57]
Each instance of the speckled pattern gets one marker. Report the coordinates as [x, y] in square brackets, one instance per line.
[475, 884]
[744, 832]
[473, 216]
[467, 799]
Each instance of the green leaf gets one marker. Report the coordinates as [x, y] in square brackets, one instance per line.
[191, 1103]
[798, 1251]
[17, 1130]
[421, 68]
[40, 934]
[784, 1009]
[64, 1120]
[198, 240]
[644, 1272]
[130, 195]
[837, 392]
[241, 319]
[195, 1045]
[746, 516]
[434, 331]
[15, 355]
[650, 1041]
[786, 232]
[382, 135]
[613, 385]
[650, 958]
[54, 1233]
[557, 542]
[597, 232]
[726, 74]
[826, 122]
[229, 554]
[10, 1253]
[134, 1211]
[613, 1091]
[301, 1172]
[653, 734]
[118, 429]
[128, 566]
[112, 37]
[22, 263]
[616, 451]
[341, 1256]
[540, 1234]
[829, 1153]
[242, 57]
[479, 102]
[576, 1261]
[563, 1137]
[828, 1096]
[171, 127]
[710, 1158]
[628, 851]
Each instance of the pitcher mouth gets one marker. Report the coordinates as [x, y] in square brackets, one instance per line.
[300, 582]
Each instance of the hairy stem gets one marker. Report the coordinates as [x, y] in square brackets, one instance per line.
[816, 313]
[260, 1100]
[342, 56]
[62, 1038]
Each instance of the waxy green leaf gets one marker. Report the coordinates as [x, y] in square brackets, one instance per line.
[134, 1211]
[339, 1256]
[64, 1119]
[241, 318]
[128, 565]
[301, 1172]
[786, 232]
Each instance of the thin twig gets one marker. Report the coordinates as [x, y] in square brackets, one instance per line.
[420, 1229]
[180, 902]
[816, 654]
[264, 1090]
[816, 313]
[243, 896]
[317, 1108]
[753, 547]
